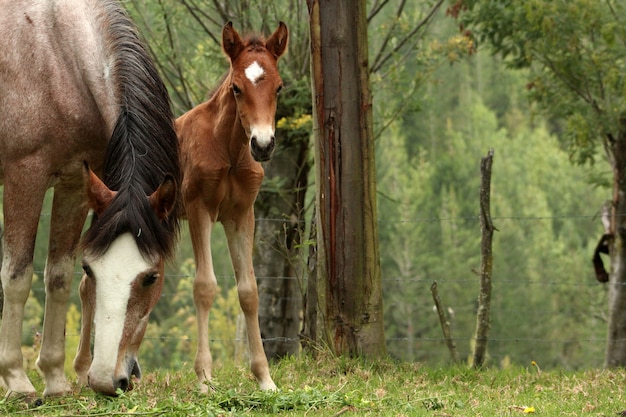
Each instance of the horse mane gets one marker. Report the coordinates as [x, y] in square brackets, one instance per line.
[143, 147]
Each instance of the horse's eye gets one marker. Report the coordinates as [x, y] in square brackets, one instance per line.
[236, 90]
[150, 279]
[87, 270]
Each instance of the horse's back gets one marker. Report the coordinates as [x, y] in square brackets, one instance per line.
[56, 103]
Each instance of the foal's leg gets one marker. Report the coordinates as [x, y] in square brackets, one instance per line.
[204, 287]
[68, 217]
[240, 241]
[22, 207]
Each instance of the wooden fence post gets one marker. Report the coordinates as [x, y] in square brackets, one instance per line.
[483, 321]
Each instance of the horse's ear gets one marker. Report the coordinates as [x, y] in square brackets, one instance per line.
[99, 196]
[231, 41]
[277, 43]
[163, 199]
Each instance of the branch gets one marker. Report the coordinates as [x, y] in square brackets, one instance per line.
[196, 12]
[562, 76]
[184, 96]
[383, 46]
[445, 323]
[224, 15]
[164, 70]
[616, 16]
[378, 65]
[376, 8]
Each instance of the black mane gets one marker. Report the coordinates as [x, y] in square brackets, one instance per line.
[142, 150]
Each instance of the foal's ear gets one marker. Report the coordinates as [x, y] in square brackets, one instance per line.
[163, 199]
[99, 196]
[231, 41]
[277, 43]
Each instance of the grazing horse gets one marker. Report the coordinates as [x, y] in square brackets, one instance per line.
[221, 144]
[78, 92]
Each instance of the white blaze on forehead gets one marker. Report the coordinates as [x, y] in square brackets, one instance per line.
[254, 72]
[114, 273]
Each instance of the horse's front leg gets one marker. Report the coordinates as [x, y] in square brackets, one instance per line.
[66, 222]
[240, 237]
[22, 208]
[204, 287]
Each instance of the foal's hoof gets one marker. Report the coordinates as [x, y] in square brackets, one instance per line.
[268, 386]
[206, 387]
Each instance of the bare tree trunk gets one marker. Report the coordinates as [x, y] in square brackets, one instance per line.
[1, 255]
[616, 338]
[483, 321]
[349, 283]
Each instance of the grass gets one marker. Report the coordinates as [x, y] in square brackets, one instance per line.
[329, 386]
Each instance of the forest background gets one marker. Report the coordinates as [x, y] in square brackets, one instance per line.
[439, 106]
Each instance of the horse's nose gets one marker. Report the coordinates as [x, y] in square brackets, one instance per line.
[122, 383]
[262, 150]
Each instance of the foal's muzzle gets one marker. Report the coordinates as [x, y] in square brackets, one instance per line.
[262, 152]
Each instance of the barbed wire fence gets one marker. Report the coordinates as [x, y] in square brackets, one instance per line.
[431, 344]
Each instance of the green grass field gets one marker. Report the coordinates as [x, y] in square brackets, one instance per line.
[328, 386]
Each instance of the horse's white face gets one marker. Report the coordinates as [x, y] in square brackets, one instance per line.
[122, 288]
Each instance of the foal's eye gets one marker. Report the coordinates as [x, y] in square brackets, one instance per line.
[150, 279]
[236, 90]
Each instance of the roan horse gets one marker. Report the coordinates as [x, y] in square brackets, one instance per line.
[78, 90]
[221, 144]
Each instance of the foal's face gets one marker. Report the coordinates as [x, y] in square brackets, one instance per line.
[255, 83]
[256, 89]
[123, 287]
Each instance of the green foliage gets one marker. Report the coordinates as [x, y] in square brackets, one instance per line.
[576, 53]
[430, 230]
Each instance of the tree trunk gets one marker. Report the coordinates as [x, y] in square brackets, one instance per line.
[349, 279]
[278, 253]
[616, 338]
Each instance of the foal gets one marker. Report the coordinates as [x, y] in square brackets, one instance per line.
[222, 142]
